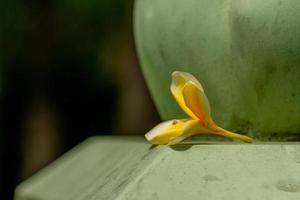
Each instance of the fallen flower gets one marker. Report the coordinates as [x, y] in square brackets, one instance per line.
[190, 96]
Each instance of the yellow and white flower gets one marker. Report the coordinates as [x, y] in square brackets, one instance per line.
[190, 96]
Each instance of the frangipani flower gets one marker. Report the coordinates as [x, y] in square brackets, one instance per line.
[190, 96]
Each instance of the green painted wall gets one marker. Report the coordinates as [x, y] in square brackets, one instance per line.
[245, 53]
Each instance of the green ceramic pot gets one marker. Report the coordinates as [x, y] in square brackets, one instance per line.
[245, 53]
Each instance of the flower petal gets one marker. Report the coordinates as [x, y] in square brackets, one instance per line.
[196, 101]
[232, 135]
[190, 127]
[164, 132]
[179, 79]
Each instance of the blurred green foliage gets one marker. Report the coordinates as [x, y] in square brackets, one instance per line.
[52, 50]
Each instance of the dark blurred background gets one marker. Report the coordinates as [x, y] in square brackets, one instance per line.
[68, 71]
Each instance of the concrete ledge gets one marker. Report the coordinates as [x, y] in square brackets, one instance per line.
[129, 168]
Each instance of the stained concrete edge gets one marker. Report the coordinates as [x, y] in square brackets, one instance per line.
[129, 168]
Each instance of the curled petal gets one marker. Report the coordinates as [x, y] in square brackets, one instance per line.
[164, 132]
[196, 101]
[179, 79]
[190, 96]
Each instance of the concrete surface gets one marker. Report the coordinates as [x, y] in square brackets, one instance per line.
[129, 168]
